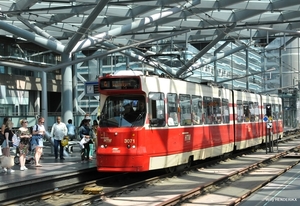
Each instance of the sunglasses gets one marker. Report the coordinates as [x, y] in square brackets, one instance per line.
[25, 122]
[42, 122]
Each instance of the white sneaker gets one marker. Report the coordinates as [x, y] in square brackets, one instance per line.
[4, 170]
[22, 168]
[25, 168]
[10, 170]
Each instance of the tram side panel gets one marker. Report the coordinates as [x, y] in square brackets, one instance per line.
[221, 128]
[211, 138]
[248, 120]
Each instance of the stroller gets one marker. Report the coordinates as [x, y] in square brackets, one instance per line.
[29, 158]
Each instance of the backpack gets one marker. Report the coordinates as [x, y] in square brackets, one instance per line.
[31, 128]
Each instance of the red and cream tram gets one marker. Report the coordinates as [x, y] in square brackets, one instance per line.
[151, 122]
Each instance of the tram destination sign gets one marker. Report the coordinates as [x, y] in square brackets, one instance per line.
[119, 83]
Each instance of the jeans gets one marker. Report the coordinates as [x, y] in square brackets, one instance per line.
[57, 143]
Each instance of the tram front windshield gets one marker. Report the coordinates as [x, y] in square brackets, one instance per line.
[121, 111]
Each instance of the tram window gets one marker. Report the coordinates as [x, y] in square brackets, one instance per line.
[207, 110]
[268, 110]
[247, 112]
[196, 109]
[279, 111]
[251, 112]
[225, 110]
[185, 109]
[118, 111]
[240, 111]
[172, 107]
[275, 111]
[217, 115]
[157, 109]
[254, 111]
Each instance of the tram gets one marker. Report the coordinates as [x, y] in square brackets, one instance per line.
[149, 122]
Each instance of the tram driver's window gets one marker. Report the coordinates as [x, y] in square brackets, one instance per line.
[157, 109]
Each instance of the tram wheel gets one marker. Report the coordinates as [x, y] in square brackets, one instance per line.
[190, 162]
[171, 169]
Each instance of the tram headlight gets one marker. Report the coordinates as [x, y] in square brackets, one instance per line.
[133, 147]
[128, 146]
[103, 146]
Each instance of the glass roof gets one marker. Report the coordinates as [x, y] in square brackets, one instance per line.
[68, 26]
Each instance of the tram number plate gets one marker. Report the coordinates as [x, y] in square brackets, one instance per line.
[129, 141]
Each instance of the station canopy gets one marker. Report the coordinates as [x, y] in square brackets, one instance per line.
[69, 26]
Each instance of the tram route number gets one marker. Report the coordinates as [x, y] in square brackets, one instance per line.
[129, 141]
[187, 137]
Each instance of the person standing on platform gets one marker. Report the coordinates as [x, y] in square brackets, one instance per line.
[24, 134]
[71, 130]
[5, 119]
[86, 116]
[8, 134]
[58, 132]
[38, 132]
[93, 134]
[84, 132]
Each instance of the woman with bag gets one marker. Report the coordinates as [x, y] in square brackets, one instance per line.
[84, 132]
[7, 161]
[37, 144]
[24, 134]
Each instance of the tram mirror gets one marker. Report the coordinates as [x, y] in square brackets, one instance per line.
[268, 110]
[153, 122]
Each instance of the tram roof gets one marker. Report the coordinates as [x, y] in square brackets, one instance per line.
[64, 26]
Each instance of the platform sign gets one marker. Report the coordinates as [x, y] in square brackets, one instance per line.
[269, 125]
[265, 119]
[91, 88]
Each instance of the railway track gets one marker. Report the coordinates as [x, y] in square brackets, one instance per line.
[117, 187]
[235, 187]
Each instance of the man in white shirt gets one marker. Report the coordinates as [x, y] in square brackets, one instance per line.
[58, 132]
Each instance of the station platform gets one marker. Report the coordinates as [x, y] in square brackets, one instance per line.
[50, 165]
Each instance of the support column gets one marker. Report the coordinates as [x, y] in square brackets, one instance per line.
[44, 102]
[66, 90]
[247, 69]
